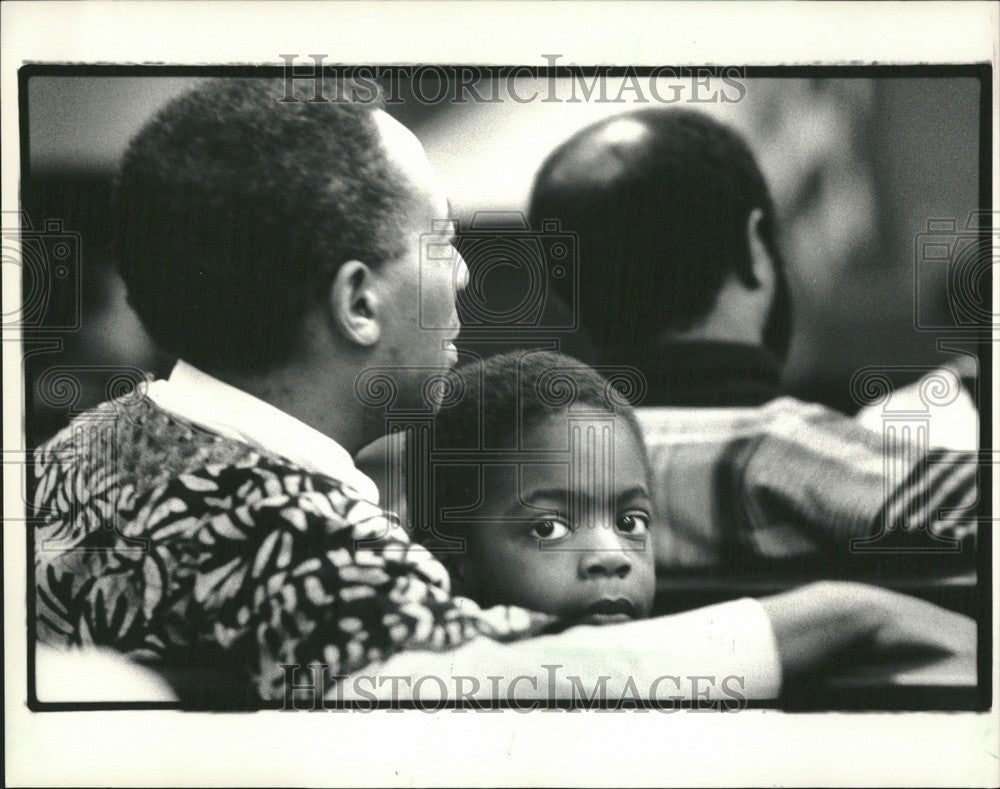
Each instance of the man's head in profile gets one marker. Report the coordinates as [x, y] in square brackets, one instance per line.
[677, 233]
[280, 247]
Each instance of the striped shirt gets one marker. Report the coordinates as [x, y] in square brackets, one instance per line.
[792, 479]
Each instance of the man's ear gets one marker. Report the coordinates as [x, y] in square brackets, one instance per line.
[761, 262]
[354, 303]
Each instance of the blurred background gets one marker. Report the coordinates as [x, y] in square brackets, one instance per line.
[857, 168]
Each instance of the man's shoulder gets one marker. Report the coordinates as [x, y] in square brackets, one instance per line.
[156, 477]
[150, 448]
[137, 436]
[671, 424]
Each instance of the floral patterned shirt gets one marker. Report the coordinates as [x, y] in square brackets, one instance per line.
[199, 552]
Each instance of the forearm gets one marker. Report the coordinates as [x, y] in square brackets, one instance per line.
[718, 652]
[818, 623]
[814, 622]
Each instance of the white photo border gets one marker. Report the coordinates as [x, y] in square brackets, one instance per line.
[412, 747]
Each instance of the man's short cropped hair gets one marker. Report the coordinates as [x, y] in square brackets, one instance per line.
[660, 199]
[489, 405]
[233, 210]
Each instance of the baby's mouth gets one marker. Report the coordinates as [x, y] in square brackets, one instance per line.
[608, 611]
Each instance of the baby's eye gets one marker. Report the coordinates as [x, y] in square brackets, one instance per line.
[549, 530]
[635, 524]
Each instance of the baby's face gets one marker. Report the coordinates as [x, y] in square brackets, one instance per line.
[569, 528]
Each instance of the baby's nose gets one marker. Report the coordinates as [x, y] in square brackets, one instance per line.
[604, 556]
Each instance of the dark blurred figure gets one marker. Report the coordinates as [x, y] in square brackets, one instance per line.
[85, 342]
[680, 275]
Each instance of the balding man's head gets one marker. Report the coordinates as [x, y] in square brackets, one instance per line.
[660, 199]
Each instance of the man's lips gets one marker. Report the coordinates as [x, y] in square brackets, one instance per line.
[451, 352]
[608, 611]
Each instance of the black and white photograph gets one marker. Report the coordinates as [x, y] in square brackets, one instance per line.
[638, 400]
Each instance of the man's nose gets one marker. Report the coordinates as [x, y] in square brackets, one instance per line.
[461, 273]
[604, 555]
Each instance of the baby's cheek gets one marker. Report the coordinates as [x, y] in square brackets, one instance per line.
[551, 579]
[646, 575]
[532, 578]
[495, 568]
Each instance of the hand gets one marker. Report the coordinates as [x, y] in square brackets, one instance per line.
[852, 625]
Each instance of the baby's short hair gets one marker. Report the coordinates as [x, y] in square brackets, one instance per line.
[489, 404]
[486, 402]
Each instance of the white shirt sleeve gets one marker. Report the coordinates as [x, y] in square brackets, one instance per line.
[724, 652]
[95, 674]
